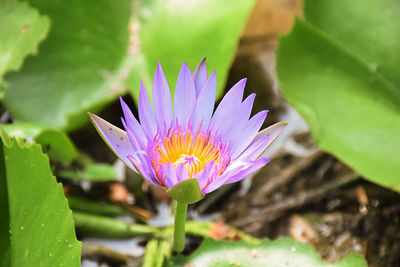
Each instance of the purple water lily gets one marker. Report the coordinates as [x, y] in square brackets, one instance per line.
[186, 139]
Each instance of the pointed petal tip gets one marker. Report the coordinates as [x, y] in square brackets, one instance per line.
[240, 85]
[94, 117]
[185, 68]
[115, 138]
[282, 124]
[278, 127]
[124, 123]
[265, 160]
[159, 70]
[142, 88]
[263, 112]
[252, 96]
[126, 110]
[201, 67]
[121, 100]
[125, 107]
[202, 62]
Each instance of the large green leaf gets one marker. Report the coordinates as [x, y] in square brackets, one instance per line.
[280, 253]
[75, 67]
[36, 227]
[373, 34]
[21, 30]
[352, 110]
[176, 31]
[55, 143]
[86, 61]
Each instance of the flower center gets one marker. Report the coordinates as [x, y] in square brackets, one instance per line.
[192, 150]
[192, 163]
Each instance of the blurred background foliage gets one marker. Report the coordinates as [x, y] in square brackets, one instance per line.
[345, 82]
[337, 65]
[90, 56]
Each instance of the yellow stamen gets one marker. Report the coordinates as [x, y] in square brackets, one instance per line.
[192, 151]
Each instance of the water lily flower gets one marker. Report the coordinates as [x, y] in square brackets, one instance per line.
[188, 139]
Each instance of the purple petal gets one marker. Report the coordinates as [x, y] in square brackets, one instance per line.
[241, 139]
[242, 114]
[171, 178]
[114, 137]
[162, 99]
[146, 114]
[133, 124]
[207, 174]
[181, 172]
[200, 76]
[139, 168]
[262, 141]
[185, 96]
[253, 167]
[205, 103]
[228, 105]
[138, 153]
[134, 141]
[234, 174]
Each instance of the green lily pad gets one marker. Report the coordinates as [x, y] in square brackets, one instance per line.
[173, 32]
[373, 34]
[37, 227]
[76, 64]
[54, 142]
[186, 192]
[87, 59]
[353, 110]
[25, 29]
[283, 252]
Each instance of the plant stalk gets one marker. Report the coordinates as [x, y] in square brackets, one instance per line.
[179, 227]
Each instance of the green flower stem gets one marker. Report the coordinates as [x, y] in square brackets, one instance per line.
[179, 227]
[150, 254]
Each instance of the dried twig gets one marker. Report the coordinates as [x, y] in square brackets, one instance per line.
[276, 210]
[286, 175]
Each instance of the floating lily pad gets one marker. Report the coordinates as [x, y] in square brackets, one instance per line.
[283, 252]
[353, 109]
[76, 64]
[87, 59]
[23, 28]
[373, 36]
[173, 32]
